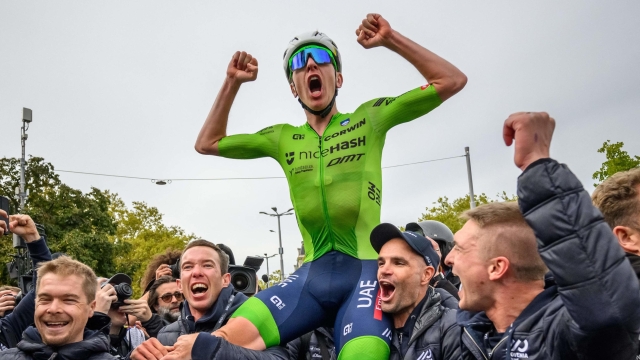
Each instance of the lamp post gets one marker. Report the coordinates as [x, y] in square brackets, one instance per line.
[267, 259]
[280, 250]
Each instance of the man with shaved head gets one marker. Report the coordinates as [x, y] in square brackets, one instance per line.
[506, 310]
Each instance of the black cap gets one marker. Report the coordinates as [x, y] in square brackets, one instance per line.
[384, 232]
[119, 278]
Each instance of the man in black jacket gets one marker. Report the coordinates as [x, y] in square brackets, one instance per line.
[618, 198]
[65, 300]
[591, 312]
[423, 327]
[209, 303]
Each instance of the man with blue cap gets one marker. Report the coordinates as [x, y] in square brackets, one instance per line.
[423, 327]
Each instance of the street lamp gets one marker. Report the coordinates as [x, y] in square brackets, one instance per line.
[267, 259]
[280, 250]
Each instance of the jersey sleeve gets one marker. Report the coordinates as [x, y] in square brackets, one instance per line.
[388, 112]
[264, 143]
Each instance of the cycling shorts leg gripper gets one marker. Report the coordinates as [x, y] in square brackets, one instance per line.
[365, 348]
[259, 315]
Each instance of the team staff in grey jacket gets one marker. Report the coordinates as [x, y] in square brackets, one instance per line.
[591, 312]
[423, 327]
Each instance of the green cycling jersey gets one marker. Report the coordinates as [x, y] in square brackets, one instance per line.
[335, 178]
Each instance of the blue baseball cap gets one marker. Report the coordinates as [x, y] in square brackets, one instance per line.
[384, 232]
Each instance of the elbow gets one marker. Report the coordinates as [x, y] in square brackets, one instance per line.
[458, 82]
[451, 86]
[205, 149]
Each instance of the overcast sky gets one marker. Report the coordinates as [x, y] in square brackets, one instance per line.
[123, 87]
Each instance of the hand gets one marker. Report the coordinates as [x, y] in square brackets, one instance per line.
[23, 226]
[139, 326]
[138, 308]
[7, 301]
[532, 132]
[242, 68]
[163, 270]
[151, 349]
[182, 348]
[3, 226]
[105, 296]
[374, 31]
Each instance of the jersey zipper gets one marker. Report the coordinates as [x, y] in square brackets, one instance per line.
[323, 190]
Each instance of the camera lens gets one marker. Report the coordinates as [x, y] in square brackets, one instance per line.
[123, 290]
[240, 282]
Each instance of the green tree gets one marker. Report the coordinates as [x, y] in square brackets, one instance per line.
[140, 234]
[448, 212]
[76, 223]
[617, 160]
[274, 278]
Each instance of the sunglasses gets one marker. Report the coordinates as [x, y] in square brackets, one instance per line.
[167, 297]
[319, 54]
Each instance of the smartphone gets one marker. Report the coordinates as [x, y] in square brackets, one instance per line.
[4, 205]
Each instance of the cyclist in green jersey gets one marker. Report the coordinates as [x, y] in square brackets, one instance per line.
[333, 166]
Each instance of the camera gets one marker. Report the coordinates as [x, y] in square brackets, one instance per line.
[243, 278]
[175, 270]
[122, 285]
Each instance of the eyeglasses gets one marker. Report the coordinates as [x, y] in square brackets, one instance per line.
[319, 54]
[167, 297]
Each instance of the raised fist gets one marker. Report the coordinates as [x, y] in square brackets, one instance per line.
[532, 132]
[242, 68]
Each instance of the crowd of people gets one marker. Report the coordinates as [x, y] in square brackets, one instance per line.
[550, 276]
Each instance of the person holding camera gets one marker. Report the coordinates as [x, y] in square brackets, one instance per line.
[112, 298]
[12, 325]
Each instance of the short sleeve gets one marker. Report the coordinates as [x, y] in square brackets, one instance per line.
[388, 112]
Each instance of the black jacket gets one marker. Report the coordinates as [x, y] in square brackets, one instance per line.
[211, 347]
[315, 345]
[95, 346]
[12, 325]
[169, 334]
[593, 311]
[434, 333]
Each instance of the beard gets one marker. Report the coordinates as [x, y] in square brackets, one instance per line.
[168, 315]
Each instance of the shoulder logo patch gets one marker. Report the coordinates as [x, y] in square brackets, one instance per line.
[345, 122]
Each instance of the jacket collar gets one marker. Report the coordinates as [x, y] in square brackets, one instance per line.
[93, 342]
[214, 313]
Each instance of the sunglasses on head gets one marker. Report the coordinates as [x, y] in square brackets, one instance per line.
[319, 54]
[167, 297]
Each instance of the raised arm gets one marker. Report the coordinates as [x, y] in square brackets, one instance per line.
[242, 68]
[446, 78]
[596, 283]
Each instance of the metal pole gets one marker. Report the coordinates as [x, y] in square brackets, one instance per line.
[268, 273]
[472, 199]
[23, 139]
[280, 250]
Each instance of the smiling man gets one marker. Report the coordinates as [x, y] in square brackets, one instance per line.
[333, 165]
[65, 300]
[208, 303]
[507, 311]
[423, 327]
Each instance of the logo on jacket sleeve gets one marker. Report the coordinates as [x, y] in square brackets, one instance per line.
[426, 355]
[519, 350]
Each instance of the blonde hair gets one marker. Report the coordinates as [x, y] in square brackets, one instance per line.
[65, 266]
[618, 200]
[509, 235]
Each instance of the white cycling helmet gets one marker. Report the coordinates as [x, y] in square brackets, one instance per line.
[312, 37]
